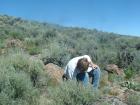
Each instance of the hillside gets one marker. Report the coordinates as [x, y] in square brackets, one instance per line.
[103, 47]
[27, 46]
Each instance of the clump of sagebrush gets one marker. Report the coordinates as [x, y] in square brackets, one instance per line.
[20, 77]
[129, 73]
[23, 62]
[53, 54]
[16, 88]
[133, 99]
[71, 93]
[33, 45]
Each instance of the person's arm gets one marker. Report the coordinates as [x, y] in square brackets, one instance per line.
[91, 64]
[94, 66]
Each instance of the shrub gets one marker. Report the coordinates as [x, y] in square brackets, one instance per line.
[133, 99]
[32, 45]
[21, 78]
[104, 79]
[135, 63]
[16, 35]
[49, 34]
[16, 88]
[70, 94]
[22, 62]
[131, 85]
[137, 46]
[125, 58]
[105, 89]
[2, 45]
[111, 77]
[56, 54]
[129, 72]
[34, 50]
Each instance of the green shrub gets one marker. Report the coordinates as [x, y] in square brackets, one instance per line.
[135, 63]
[23, 62]
[105, 89]
[33, 45]
[21, 78]
[49, 34]
[2, 45]
[137, 87]
[129, 72]
[34, 50]
[70, 93]
[16, 35]
[16, 88]
[134, 99]
[111, 77]
[55, 53]
[131, 85]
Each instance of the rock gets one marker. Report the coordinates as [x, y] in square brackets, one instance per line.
[116, 101]
[34, 57]
[112, 68]
[111, 100]
[116, 91]
[55, 73]
[13, 43]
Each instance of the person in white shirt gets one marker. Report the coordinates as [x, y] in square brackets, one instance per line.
[71, 71]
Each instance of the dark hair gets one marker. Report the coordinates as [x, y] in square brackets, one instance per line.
[82, 64]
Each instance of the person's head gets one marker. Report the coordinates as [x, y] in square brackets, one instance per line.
[82, 64]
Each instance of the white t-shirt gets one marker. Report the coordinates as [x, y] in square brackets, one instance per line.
[70, 69]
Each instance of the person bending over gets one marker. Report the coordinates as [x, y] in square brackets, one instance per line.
[81, 68]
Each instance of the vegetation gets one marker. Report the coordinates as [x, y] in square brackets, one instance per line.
[22, 77]
[16, 85]
[70, 93]
[134, 99]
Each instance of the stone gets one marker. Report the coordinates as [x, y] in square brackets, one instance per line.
[55, 73]
[112, 68]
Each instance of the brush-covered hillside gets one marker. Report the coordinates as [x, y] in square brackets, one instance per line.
[61, 43]
[27, 46]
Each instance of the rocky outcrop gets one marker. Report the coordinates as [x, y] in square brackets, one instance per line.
[54, 72]
[112, 68]
[111, 100]
[13, 43]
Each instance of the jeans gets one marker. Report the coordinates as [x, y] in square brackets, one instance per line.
[94, 74]
[83, 77]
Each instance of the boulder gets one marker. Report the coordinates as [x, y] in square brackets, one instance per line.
[116, 91]
[14, 43]
[112, 68]
[55, 73]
